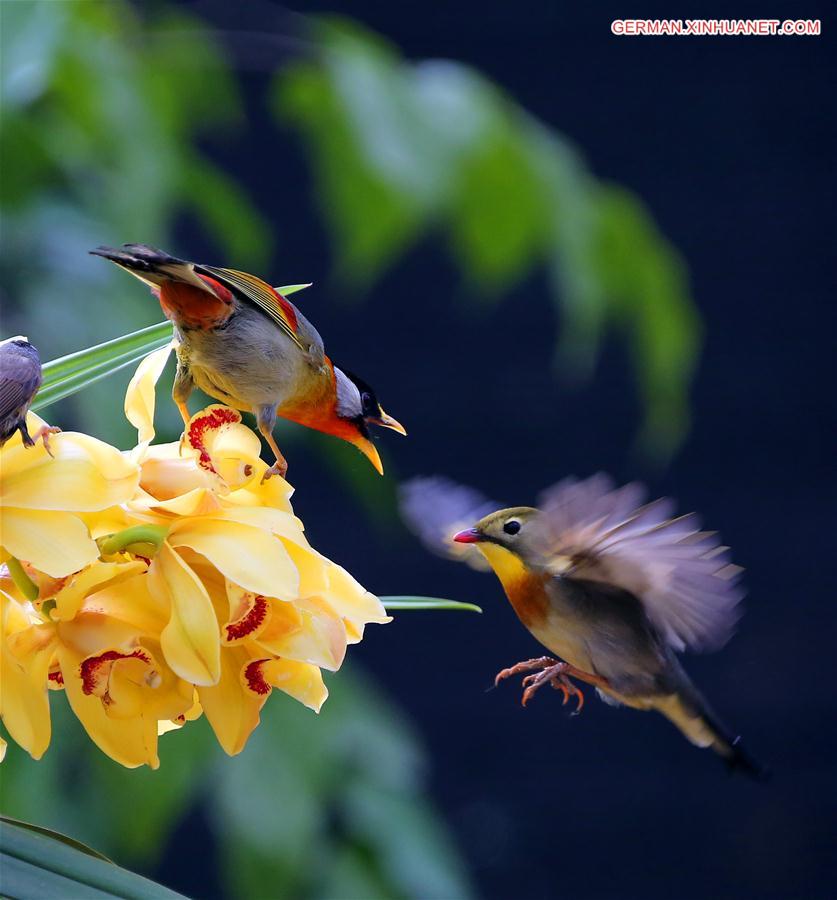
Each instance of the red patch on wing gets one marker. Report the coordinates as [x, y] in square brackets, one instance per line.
[190, 307]
[200, 425]
[223, 292]
[288, 310]
[248, 623]
[254, 679]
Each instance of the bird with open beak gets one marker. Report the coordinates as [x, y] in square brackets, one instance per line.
[243, 343]
[20, 378]
[612, 587]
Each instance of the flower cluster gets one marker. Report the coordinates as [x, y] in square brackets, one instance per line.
[161, 584]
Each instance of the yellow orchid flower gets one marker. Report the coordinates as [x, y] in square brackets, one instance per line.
[185, 585]
[42, 497]
[106, 657]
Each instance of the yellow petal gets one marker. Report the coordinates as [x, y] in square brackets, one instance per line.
[232, 710]
[141, 394]
[321, 641]
[125, 607]
[313, 569]
[131, 742]
[247, 556]
[275, 493]
[353, 602]
[97, 576]
[57, 543]
[197, 502]
[166, 478]
[301, 681]
[191, 640]
[24, 697]
[85, 475]
[277, 521]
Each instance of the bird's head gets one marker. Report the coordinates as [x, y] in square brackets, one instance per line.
[356, 408]
[504, 538]
[18, 340]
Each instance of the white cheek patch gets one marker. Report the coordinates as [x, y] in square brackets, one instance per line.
[349, 405]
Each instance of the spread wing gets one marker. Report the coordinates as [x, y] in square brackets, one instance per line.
[435, 508]
[20, 378]
[263, 295]
[682, 575]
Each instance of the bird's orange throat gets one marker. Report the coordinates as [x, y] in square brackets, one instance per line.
[524, 588]
[190, 307]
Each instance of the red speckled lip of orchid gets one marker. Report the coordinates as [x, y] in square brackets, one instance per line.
[249, 624]
[254, 677]
[214, 418]
[96, 671]
[469, 536]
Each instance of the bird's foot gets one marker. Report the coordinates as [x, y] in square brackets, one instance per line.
[280, 468]
[554, 672]
[554, 675]
[528, 665]
[43, 434]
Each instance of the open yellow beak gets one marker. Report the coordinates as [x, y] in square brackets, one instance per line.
[386, 421]
[367, 448]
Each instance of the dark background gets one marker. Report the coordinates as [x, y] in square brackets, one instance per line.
[730, 141]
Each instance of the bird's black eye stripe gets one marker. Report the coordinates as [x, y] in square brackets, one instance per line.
[512, 526]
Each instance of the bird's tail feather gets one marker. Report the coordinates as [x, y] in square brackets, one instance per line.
[689, 712]
[151, 265]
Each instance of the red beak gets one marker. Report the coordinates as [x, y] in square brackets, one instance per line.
[469, 536]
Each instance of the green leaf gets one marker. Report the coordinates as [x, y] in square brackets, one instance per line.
[37, 863]
[408, 602]
[69, 374]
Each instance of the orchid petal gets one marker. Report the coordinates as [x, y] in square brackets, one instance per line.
[140, 398]
[57, 543]
[71, 596]
[301, 681]
[131, 742]
[232, 710]
[85, 475]
[24, 697]
[247, 556]
[191, 640]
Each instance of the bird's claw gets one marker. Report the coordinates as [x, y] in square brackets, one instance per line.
[279, 468]
[552, 671]
[43, 434]
[555, 676]
[528, 665]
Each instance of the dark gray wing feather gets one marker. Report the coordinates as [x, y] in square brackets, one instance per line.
[435, 508]
[682, 575]
[20, 378]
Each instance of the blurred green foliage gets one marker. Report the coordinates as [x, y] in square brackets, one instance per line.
[399, 148]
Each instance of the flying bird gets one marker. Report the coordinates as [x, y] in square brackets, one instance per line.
[243, 343]
[613, 588]
[20, 378]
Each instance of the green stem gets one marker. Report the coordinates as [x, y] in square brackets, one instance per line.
[22, 581]
[150, 536]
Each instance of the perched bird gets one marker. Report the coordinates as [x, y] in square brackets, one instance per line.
[20, 378]
[243, 343]
[612, 587]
